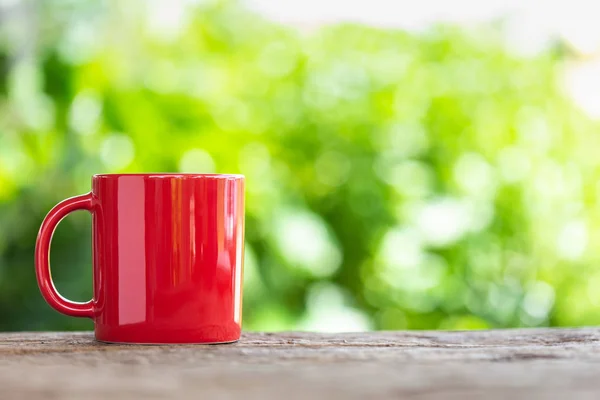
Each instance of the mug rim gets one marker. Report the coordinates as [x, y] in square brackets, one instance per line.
[171, 175]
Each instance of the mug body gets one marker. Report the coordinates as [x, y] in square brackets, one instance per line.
[168, 257]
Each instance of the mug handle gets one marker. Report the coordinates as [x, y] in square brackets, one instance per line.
[42, 257]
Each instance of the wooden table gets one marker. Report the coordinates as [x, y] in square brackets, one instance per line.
[513, 364]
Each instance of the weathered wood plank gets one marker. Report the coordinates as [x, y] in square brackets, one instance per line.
[531, 364]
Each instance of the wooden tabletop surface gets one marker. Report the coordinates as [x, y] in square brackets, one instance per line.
[511, 364]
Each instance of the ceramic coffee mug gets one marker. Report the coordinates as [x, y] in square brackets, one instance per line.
[167, 257]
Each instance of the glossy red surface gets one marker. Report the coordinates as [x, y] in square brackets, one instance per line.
[168, 257]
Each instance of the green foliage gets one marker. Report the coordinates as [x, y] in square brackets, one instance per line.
[395, 180]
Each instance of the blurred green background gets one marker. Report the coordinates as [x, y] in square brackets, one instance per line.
[395, 179]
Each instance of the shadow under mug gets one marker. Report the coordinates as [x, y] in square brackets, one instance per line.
[167, 257]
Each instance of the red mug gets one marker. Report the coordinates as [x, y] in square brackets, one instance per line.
[167, 257]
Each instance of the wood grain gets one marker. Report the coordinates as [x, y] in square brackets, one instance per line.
[521, 364]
